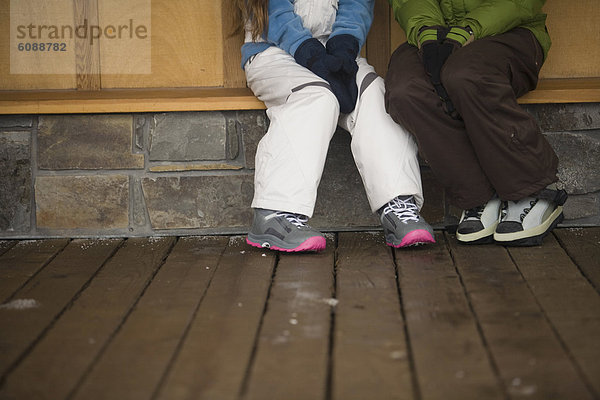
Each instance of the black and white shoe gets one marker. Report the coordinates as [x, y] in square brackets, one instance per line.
[526, 222]
[477, 225]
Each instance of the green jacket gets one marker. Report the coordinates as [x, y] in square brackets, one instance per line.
[485, 17]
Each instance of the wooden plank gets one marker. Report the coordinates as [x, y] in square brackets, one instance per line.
[38, 13]
[134, 362]
[186, 45]
[23, 261]
[529, 357]
[378, 40]
[5, 245]
[569, 301]
[569, 57]
[126, 58]
[87, 56]
[42, 299]
[370, 353]
[206, 99]
[583, 246]
[574, 90]
[233, 74]
[85, 328]
[134, 100]
[450, 357]
[214, 357]
[292, 357]
[397, 35]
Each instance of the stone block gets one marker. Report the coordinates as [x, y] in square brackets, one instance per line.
[16, 121]
[104, 141]
[582, 206]
[189, 136]
[252, 127]
[138, 214]
[82, 202]
[141, 132]
[341, 198]
[190, 202]
[15, 182]
[204, 166]
[566, 117]
[578, 154]
[233, 137]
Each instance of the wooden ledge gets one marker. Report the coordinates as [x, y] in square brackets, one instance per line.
[127, 101]
[214, 99]
[574, 90]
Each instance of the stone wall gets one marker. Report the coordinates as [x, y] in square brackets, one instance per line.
[192, 173]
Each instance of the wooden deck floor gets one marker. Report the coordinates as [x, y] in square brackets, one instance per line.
[211, 318]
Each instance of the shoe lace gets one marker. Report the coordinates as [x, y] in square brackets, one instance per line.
[503, 210]
[527, 209]
[298, 220]
[475, 212]
[405, 209]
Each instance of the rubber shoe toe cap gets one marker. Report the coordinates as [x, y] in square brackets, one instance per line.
[509, 227]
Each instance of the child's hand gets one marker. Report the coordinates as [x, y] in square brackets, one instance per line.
[313, 55]
[435, 47]
[345, 48]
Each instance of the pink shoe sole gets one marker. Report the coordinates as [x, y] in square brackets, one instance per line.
[415, 238]
[315, 243]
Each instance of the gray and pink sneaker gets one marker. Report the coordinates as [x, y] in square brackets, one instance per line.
[402, 224]
[283, 231]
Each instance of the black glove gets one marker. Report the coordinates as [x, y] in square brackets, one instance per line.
[345, 48]
[454, 39]
[435, 50]
[313, 55]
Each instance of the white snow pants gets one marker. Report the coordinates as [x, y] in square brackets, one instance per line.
[303, 115]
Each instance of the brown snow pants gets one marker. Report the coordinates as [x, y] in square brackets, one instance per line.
[497, 147]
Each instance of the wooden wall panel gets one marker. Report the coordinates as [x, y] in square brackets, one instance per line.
[87, 55]
[378, 41]
[187, 46]
[397, 34]
[13, 81]
[191, 44]
[574, 27]
[233, 74]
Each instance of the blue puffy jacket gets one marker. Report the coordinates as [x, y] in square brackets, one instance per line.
[291, 22]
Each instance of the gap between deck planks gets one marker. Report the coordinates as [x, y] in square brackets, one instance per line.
[211, 318]
[525, 344]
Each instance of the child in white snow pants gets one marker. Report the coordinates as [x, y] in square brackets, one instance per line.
[304, 111]
[304, 114]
